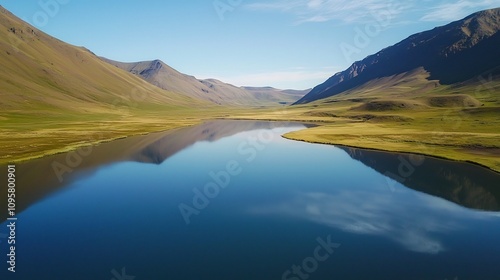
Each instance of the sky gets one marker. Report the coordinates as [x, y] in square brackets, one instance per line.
[294, 44]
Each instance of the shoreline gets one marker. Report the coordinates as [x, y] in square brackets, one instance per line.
[74, 147]
[391, 151]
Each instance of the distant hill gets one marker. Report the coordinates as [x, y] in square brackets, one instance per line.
[450, 54]
[283, 96]
[163, 76]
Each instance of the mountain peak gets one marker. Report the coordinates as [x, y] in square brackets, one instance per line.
[156, 65]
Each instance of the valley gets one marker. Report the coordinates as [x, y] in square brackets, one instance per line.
[57, 97]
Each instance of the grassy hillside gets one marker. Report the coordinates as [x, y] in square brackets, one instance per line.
[44, 74]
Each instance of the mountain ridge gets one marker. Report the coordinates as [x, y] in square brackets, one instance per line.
[451, 53]
[165, 77]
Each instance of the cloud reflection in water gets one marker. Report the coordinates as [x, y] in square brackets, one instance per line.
[416, 221]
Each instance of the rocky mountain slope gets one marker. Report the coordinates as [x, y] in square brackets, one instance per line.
[450, 54]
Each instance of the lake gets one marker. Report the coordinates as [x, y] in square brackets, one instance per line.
[235, 200]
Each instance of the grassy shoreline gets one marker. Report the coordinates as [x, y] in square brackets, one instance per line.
[456, 146]
[454, 133]
[333, 143]
[52, 144]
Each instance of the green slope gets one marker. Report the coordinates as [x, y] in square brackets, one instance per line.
[44, 74]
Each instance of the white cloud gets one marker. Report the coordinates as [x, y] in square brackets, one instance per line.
[459, 9]
[345, 11]
[315, 3]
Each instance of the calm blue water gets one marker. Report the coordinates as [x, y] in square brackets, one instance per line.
[247, 204]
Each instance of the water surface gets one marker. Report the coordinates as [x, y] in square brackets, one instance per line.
[234, 200]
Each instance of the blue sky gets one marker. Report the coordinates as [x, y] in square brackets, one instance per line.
[286, 44]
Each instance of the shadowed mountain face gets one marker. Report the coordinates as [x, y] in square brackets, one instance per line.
[38, 178]
[451, 54]
[464, 184]
[165, 77]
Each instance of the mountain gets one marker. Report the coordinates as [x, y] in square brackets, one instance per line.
[282, 96]
[450, 54]
[43, 76]
[165, 77]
